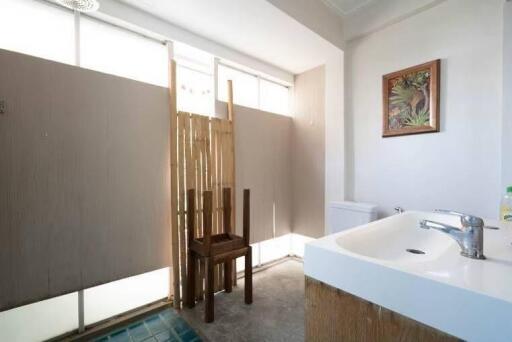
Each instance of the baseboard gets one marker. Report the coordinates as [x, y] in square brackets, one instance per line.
[269, 264]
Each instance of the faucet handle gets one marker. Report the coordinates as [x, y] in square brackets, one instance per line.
[466, 219]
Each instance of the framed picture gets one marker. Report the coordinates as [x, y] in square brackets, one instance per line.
[411, 100]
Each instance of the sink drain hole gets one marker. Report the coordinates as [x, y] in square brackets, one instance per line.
[414, 251]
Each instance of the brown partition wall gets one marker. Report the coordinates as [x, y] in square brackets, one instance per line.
[264, 165]
[84, 179]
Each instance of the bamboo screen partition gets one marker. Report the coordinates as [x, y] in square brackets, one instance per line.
[202, 158]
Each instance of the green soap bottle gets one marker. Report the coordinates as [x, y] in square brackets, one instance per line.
[506, 206]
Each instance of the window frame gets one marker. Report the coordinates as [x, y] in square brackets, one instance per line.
[199, 71]
[259, 78]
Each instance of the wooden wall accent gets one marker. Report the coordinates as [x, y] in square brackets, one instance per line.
[204, 160]
[334, 315]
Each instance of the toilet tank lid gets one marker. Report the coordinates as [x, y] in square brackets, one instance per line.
[355, 206]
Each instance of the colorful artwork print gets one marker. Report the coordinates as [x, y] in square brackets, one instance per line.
[411, 100]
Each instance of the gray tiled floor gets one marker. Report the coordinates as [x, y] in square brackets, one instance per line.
[277, 312]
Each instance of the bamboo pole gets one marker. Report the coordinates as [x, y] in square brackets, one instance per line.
[181, 204]
[231, 118]
[230, 100]
[202, 158]
[174, 292]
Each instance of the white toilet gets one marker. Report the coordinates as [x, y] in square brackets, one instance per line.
[345, 215]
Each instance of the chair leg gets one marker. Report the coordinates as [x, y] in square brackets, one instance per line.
[233, 267]
[248, 276]
[209, 303]
[191, 280]
[228, 276]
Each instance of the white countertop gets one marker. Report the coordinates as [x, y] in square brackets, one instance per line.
[470, 299]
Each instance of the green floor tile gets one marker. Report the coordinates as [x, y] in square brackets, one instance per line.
[163, 326]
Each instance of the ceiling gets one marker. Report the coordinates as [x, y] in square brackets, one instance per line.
[253, 27]
[346, 7]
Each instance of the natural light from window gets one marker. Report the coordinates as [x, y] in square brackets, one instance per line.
[194, 75]
[37, 29]
[252, 91]
[274, 97]
[48, 318]
[110, 299]
[245, 86]
[115, 51]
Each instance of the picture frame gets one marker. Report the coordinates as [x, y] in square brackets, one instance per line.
[411, 99]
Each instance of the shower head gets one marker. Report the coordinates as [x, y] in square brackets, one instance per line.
[80, 5]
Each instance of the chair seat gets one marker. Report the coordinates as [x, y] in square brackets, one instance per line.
[220, 244]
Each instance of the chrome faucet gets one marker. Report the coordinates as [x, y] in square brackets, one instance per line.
[470, 238]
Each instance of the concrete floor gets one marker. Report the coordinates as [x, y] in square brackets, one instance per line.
[277, 312]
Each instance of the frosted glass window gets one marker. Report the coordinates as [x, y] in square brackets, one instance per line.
[240, 262]
[245, 86]
[115, 51]
[270, 250]
[40, 321]
[37, 29]
[275, 249]
[104, 301]
[191, 57]
[274, 97]
[195, 91]
[194, 75]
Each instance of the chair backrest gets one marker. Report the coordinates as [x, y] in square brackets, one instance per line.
[207, 215]
[226, 203]
[191, 214]
[207, 219]
[226, 199]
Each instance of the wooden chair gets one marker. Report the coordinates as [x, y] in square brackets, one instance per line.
[215, 249]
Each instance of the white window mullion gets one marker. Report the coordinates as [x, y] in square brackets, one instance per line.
[259, 91]
[76, 15]
[215, 83]
[80, 306]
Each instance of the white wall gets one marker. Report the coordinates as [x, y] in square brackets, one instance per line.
[458, 168]
[379, 14]
[507, 98]
[334, 132]
[315, 15]
[319, 18]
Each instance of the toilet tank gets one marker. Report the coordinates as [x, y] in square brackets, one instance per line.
[345, 215]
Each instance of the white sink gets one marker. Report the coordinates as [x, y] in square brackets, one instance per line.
[391, 239]
[468, 298]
